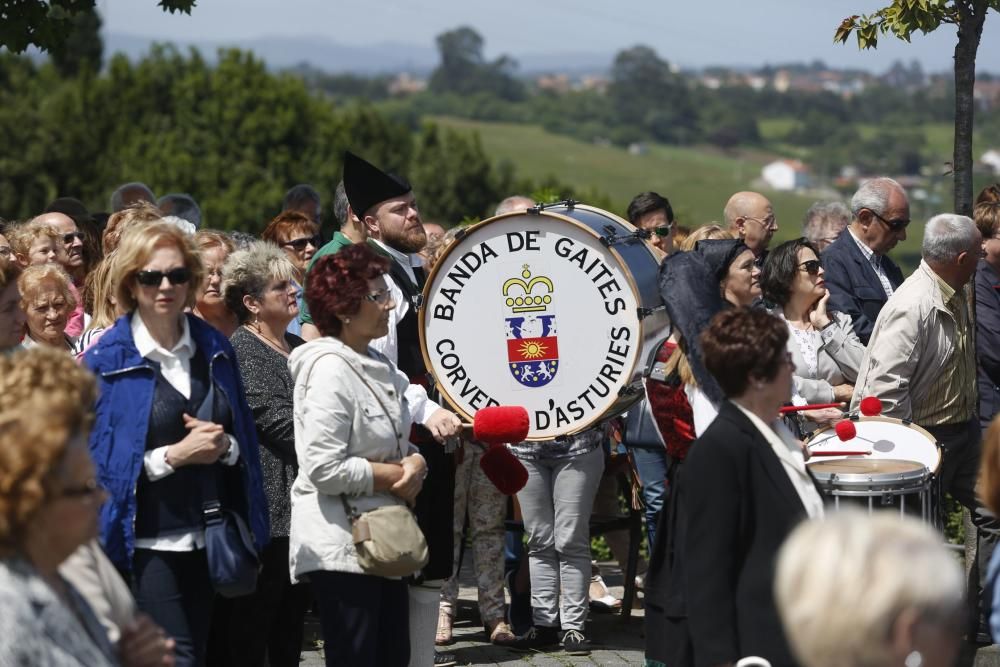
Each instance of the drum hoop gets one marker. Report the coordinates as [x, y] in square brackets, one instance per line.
[891, 420]
[626, 271]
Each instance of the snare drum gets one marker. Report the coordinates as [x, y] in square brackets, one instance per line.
[555, 309]
[879, 483]
[880, 438]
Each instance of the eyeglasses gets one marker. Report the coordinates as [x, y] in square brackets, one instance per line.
[895, 224]
[301, 244]
[69, 237]
[770, 222]
[812, 266]
[90, 490]
[380, 297]
[663, 230]
[177, 276]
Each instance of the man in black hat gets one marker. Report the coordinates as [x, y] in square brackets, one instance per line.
[388, 209]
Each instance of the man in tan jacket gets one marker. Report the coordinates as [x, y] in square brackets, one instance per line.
[921, 362]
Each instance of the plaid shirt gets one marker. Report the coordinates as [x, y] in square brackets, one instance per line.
[875, 261]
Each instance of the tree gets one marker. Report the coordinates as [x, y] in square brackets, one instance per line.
[646, 93]
[904, 17]
[83, 46]
[464, 70]
[47, 24]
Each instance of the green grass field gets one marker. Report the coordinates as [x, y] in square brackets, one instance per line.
[698, 181]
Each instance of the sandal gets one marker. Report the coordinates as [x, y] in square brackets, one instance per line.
[500, 633]
[600, 598]
[444, 634]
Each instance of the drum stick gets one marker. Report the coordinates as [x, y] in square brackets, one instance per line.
[818, 406]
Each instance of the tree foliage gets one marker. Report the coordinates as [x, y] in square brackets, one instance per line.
[233, 135]
[902, 18]
[465, 71]
[47, 24]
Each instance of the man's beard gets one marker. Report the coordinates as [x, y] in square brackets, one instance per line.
[403, 241]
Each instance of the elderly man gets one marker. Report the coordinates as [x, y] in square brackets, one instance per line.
[750, 218]
[652, 212]
[921, 361]
[859, 275]
[73, 261]
[306, 200]
[514, 203]
[824, 222]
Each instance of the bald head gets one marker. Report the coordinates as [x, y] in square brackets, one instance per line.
[67, 229]
[516, 203]
[750, 217]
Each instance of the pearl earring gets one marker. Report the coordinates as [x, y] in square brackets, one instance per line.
[914, 659]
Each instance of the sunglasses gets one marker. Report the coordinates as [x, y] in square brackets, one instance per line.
[895, 224]
[177, 276]
[301, 244]
[663, 230]
[5, 251]
[811, 266]
[68, 238]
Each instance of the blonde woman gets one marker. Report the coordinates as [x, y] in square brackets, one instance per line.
[856, 590]
[156, 368]
[99, 293]
[47, 301]
[215, 248]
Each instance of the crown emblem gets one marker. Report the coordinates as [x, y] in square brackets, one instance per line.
[524, 299]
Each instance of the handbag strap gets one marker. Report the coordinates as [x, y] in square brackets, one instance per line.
[350, 510]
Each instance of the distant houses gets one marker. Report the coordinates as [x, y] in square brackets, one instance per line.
[786, 175]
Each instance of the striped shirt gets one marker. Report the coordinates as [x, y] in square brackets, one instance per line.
[952, 397]
[876, 263]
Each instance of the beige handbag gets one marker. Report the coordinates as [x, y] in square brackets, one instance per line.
[388, 541]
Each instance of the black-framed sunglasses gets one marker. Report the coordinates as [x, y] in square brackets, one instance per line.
[177, 276]
[895, 224]
[812, 266]
[70, 236]
[301, 244]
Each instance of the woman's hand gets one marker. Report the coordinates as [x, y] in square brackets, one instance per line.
[144, 644]
[414, 471]
[842, 393]
[443, 424]
[818, 316]
[203, 445]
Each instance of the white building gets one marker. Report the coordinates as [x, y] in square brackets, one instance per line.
[786, 175]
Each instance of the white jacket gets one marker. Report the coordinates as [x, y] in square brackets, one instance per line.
[340, 426]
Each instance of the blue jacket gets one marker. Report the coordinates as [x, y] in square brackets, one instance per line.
[854, 286]
[126, 383]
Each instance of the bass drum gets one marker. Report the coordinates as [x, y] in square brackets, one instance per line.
[555, 309]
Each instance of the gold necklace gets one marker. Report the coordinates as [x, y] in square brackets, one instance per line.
[268, 340]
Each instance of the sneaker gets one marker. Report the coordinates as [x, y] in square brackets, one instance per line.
[445, 660]
[574, 643]
[537, 638]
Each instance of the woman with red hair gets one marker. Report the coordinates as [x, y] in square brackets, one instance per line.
[351, 414]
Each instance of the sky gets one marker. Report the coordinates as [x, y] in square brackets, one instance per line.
[691, 34]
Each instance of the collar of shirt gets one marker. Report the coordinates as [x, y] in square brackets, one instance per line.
[947, 291]
[147, 346]
[875, 260]
[404, 260]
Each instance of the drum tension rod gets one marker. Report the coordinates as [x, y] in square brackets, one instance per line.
[539, 207]
[643, 313]
[613, 238]
[631, 389]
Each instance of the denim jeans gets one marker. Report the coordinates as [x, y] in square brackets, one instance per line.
[651, 464]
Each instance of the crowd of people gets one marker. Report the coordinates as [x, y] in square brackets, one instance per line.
[160, 379]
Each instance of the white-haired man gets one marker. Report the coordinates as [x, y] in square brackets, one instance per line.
[921, 362]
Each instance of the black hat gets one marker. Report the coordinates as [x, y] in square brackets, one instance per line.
[366, 185]
[719, 254]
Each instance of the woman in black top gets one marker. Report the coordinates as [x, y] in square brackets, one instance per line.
[258, 288]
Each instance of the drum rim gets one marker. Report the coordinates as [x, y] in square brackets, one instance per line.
[891, 420]
[617, 406]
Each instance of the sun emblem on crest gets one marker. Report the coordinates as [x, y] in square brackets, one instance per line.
[533, 349]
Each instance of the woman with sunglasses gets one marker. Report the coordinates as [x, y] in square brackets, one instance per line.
[298, 236]
[163, 449]
[824, 347]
